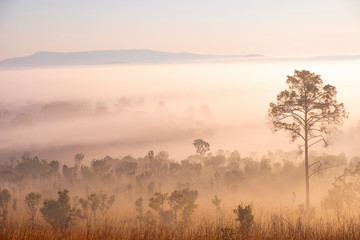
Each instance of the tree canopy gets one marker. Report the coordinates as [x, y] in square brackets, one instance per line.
[307, 107]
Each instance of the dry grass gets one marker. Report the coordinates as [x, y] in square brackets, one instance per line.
[273, 227]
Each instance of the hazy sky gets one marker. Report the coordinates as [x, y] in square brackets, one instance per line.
[277, 27]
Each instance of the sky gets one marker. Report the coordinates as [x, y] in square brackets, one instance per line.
[272, 28]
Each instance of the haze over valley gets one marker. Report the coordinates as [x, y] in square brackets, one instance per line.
[129, 109]
[178, 120]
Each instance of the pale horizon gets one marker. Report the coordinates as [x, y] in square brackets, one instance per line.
[305, 28]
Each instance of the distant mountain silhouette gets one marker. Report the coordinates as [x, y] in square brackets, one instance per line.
[139, 56]
[143, 56]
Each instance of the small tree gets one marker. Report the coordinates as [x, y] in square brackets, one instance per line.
[139, 209]
[183, 201]
[216, 201]
[79, 157]
[179, 201]
[99, 201]
[84, 203]
[59, 213]
[156, 202]
[201, 147]
[95, 202]
[307, 110]
[345, 192]
[4, 202]
[32, 201]
[106, 203]
[245, 217]
[176, 202]
[189, 204]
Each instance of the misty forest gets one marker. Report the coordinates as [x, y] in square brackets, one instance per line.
[304, 193]
[179, 120]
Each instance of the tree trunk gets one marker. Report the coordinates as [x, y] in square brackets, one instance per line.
[307, 176]
[33, 219]
[307, 166]
[4, 216]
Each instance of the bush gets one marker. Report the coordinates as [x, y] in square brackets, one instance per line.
[59, 213]
[245, 217]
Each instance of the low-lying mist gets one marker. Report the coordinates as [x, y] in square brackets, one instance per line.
[121, 110]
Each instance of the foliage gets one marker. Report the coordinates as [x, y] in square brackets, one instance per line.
[85, 206]
[94, 202]
[245, 217]
[179, 201]
[30, 166]
[227, 233]
[59, 212]
[79, 157]
[32, 201]
[233, 173]
[345, 192]
[126, 168]
[99, 201]
[70, 173]
[307, 107]
[216, 201]
[106, 203]
[156, 202]
[201, 146]
[183, 200]
[177, 207]
[139, 209]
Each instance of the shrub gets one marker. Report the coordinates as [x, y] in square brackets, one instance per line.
[245, 217]
[59, 213]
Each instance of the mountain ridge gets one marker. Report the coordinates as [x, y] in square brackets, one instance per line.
[103, 57]
[143, 56]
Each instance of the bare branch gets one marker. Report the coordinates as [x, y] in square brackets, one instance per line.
[322, 139]
[323, 169]
[314, 164]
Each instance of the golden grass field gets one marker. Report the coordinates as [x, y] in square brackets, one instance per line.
[275, 226]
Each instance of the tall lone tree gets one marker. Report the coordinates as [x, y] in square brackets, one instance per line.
[309, 111]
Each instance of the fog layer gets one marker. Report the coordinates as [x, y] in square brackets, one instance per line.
[57, 112]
